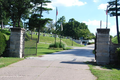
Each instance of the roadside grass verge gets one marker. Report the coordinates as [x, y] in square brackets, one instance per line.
[109, 72]
[7, 61]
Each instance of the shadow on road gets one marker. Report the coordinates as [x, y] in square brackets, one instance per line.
[71, 62]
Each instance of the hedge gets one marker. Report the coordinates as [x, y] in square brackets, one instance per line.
[57, 45]
[2, 43]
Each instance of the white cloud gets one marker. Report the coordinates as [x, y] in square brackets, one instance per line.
[68, 3]
[103, 6]
[95, 23]
[49, 5]
[95, 0]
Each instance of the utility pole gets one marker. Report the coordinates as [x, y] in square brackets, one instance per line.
[117, 21]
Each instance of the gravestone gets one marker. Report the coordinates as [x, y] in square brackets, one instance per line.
[102, 46]
[17, 42]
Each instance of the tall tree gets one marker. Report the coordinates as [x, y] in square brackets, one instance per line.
[114, 10]
[39, 7]
[16, 8]
[35, 21]
[75, 29]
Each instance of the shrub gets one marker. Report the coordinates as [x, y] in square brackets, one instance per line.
[2, 43]
[51, 45]
[118, 53]
[62, 45]
[57, 45]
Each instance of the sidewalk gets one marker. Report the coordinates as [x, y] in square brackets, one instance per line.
[34, 69]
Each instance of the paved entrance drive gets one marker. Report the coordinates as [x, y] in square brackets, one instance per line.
[65, 65]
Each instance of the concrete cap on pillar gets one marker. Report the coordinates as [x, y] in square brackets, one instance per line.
[103, 31]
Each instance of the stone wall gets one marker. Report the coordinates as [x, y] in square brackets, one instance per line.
[17, 42]
[102, 46]
[113, 55]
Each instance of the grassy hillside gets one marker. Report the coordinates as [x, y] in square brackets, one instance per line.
[69, 43]
[47, 39]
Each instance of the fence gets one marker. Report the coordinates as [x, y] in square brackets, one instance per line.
[30, 48]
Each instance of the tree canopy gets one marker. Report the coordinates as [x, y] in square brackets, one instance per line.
[73, 29]
[16, 9]
[76, 29]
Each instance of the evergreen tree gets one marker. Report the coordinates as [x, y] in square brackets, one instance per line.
[38, 9]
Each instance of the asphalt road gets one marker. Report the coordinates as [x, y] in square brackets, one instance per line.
[81, 54]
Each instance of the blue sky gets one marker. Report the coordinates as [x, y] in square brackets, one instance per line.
[87, 11]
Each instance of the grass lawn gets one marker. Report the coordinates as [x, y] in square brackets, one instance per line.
[69, 43]
[42, 49]
[7, 61]
[47, 39]
[113, 72]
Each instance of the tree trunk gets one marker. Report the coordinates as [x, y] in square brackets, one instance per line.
[19, 22]
[13, 24]
[31, 34]
[60, 39]
[117, 23]
[39, 26]
[2, 24]
[55, 39]
[72, 41]
[38, 35]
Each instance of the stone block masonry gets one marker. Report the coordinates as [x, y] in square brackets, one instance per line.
[102, 46]
[17, 42]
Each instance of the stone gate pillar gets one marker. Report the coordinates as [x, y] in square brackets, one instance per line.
[102, 46]
[17, 42]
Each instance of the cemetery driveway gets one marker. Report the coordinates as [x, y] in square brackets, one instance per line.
[65, 65]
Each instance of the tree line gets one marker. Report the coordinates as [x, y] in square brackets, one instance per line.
[72, 28]
[15, 12]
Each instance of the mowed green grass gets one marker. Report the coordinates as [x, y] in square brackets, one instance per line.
[7, 61]
[69, 43]
[112, 74]
[47, 39]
